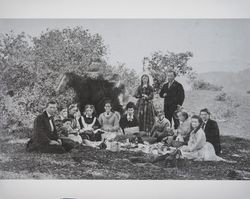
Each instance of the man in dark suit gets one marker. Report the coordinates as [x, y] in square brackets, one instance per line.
[173, 94]
[211, 130]
[45, 138]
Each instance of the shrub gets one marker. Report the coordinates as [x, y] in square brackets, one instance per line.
[203, 85]
[227, 113]
[31, 67]
[221, 97]
[158, 64]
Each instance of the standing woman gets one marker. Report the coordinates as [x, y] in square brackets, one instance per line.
[145, 107]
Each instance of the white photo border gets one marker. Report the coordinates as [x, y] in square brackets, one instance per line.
[129, 189]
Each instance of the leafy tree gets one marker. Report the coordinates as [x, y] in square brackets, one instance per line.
[32, 66]
[158, 64]
[15, 62]
[128, 76]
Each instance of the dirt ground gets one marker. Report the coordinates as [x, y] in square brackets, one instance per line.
[89, 163]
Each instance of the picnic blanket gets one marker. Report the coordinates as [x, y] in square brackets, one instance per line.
[156, 149]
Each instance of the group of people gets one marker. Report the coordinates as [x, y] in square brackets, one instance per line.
[197, 137]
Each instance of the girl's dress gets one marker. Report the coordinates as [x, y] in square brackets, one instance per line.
[91, 128]
[198, 149]
[109, 124]
[145, 112]
[183, 131]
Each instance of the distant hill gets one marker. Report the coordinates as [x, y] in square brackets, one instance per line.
[231, 81]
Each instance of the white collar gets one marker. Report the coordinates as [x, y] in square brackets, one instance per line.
[48, 115]
[130, 117]
[88, 116]
[106, 114]
[171, 82]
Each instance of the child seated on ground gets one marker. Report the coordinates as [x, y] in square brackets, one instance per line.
[109, 121]
[128, 122]
[90, 127]
[161, 128]
[63, 114]
[69, 136]
[183, 130]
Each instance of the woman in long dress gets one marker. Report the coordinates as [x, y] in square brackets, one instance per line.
[145, 107]
[198, 149]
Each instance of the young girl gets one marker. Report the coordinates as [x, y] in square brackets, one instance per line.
[72, 111]
[145, 95]
[198, 148]
[109, 121]
[67, 133]
[63, 114]
[183, 130]
[161, 128]
[90, 126]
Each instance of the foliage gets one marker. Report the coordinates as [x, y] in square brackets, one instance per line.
[128, 76]
[221, 97]
[158, 64]
[31, 67]
[15, 61]
[203, 85]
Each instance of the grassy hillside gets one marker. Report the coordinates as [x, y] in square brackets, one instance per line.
[231, 81]
[232, 114]
[89, 163]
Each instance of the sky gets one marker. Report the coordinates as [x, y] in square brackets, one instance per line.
[217, 44]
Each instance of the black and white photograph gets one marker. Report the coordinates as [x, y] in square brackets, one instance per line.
[125, 99]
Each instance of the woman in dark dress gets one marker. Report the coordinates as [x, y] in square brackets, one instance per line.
[145, 107]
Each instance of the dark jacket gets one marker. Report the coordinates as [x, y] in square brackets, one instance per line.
[42, 134]
[124, 123]
[175, 94]
[213, 135]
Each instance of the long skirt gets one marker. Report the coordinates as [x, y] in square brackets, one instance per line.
[206, 153]
[145, 114]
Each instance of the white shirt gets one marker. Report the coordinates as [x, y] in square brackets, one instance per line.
[170, 84]
[204, 125]
[130, 118]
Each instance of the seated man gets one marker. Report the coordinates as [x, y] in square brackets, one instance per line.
[45, 138]
[128, 122]
[211, 130]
